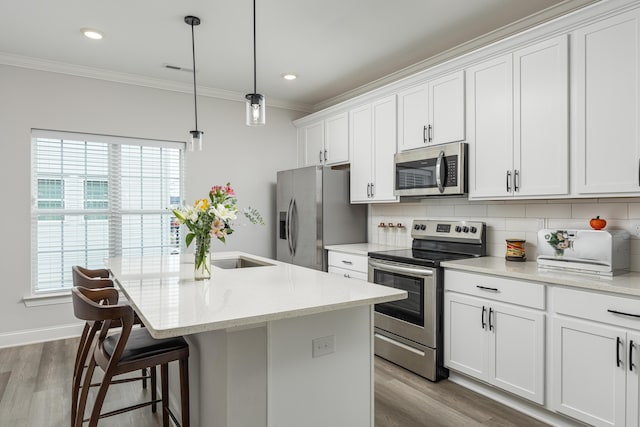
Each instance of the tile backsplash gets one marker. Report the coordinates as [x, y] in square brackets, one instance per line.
[509, 219]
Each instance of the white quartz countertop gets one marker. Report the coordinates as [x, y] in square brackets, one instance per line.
[171, 303]
[627, 284]
[361, 248]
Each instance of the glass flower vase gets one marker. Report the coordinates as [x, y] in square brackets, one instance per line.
[202, 258]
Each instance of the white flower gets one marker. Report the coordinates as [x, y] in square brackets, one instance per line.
[224, 213]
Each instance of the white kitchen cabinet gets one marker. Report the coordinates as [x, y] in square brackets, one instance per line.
[517, 118]
[350, 266]
[492, 340]
[431, 113]
[325, 142]
[606, 74]
[595, 358]
[373, 142]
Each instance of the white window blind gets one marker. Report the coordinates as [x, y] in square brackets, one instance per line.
[98, 196]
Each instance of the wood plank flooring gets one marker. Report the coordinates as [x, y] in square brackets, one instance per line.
[35, 389]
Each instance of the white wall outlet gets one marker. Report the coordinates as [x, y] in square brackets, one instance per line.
[323, 346]
[638, 230]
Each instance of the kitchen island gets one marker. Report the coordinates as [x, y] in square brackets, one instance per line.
[271, 344]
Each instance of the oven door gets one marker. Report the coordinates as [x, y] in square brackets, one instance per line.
[413, 318]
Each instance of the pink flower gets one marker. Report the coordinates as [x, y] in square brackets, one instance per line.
[218, 228]
[229, 190]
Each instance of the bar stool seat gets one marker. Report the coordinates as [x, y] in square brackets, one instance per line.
[125, 352]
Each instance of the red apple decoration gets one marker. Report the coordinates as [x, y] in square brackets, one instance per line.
[597, 223]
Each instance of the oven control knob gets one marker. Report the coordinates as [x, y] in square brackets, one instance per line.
[416, 227]
[465, 229]
[423, 227]
[458, 228]
[474, 229]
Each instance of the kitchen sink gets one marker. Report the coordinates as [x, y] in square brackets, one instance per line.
[238, 262]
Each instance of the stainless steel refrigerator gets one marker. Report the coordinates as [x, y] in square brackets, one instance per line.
[314, 211]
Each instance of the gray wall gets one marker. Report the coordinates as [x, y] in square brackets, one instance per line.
[247, 157]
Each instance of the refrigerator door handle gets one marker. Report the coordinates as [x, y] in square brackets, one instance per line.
[288, 227]
[294, 228]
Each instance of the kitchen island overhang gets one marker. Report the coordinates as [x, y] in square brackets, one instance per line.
[252, 333]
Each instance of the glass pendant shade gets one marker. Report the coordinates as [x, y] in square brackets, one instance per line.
[255, 109]
[195, 144]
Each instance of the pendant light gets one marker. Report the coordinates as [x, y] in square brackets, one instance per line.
[255, 101]
[196, 135]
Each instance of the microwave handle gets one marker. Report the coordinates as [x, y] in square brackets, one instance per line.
[440, 172]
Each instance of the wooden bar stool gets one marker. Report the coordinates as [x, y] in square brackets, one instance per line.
[124, 352]
[96, 279]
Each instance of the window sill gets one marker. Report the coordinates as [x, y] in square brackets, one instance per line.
[47, 299]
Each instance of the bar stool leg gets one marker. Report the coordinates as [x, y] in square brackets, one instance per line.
[184, 391]
[154, 389]
[164, 379]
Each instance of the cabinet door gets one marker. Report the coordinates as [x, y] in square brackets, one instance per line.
[606, 75]
[336, 142]
[465, 334]
[384, 149]
[517, 350]
[490, 127]
[587, 382]
[314, 144]
[633, 379]
[413, 104]
[446, 109]
[361, 138]
[541, 119]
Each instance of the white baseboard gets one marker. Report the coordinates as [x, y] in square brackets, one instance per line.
[533, 410]
[31, 336]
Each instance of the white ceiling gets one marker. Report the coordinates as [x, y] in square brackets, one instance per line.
[333, 45]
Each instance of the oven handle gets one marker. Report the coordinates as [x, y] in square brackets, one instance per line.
[399, 269]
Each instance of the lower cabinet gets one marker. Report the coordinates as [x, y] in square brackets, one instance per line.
[350, 266]
[501, 344]
[595, 358]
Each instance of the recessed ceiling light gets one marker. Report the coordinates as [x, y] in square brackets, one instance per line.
[91, 33]
[289, 76]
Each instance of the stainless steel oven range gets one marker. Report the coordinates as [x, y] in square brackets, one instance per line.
[409, 332]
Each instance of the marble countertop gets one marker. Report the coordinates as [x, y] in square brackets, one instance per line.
[171, 303]
[626, 284]
[361, 248]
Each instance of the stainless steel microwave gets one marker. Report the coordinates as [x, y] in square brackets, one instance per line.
[432, 171]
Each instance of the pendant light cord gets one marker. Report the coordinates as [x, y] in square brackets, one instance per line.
[195, 96]
[254, 47]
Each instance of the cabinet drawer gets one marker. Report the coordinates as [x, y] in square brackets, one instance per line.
[349, 261]
[595, 306]
[349, 274]
[528, 294]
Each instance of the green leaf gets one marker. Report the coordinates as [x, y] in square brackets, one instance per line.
[189, 238]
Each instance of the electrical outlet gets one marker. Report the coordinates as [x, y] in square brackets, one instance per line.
[323, 346]
[638, 230]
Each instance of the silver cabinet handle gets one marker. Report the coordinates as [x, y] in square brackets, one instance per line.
[508, 181]
[344, 261]
[484, 288]
[430, 133]
[440, 171]
[320, 156]
[325, 155]
[424, 134]
[372, 190]
[368, 190]
[347, 276]
[516, 180]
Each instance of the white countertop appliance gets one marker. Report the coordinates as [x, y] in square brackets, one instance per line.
[409, 332]
[599, 252]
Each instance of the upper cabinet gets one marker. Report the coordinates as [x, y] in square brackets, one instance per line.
[432, 112]
[325, 142]
[606, 57]
[373, 141]
[517, 123]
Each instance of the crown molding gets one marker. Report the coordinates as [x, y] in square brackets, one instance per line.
[137, 80]
[552, 12]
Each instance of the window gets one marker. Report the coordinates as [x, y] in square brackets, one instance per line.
[100, 196]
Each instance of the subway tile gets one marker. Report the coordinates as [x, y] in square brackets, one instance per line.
[634, 210]
[518, 224]
[634, 246]
[475, 210]
[549, 210]
[495, 223]
[500, 237]
[634, 262]
[512, 211]
[440, 211]
[604, 210]
[495, 250]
